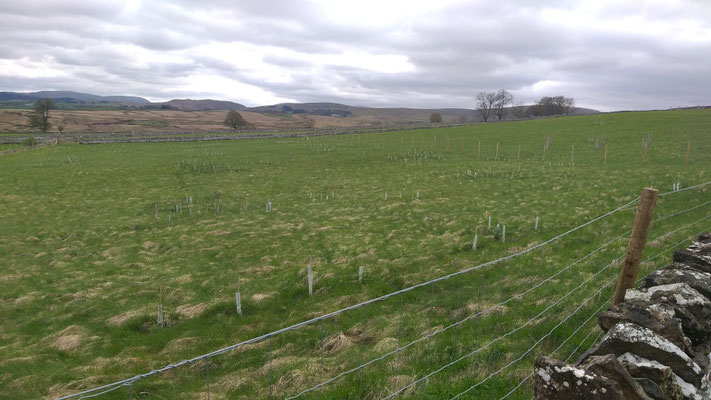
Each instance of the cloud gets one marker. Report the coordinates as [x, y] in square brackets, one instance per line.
[606, 54]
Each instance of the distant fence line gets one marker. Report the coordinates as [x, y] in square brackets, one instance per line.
[25, 148]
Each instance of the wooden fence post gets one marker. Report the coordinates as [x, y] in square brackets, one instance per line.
[688, 151]
[497, 151]
[642, 221]
[604, 163]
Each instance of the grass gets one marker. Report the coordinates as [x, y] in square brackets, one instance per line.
[149, 122]
[94, 237]
[10, 146]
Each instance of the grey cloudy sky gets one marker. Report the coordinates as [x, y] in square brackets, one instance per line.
[608, 55]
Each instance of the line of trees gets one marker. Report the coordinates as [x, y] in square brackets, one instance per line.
[555, 105]
[495, 103]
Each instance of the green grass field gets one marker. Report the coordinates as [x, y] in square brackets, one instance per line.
[8, 146]
[95, 237]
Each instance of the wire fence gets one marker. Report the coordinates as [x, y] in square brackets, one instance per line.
[473, 332]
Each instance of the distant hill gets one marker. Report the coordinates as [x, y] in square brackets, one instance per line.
[197, 105]
[92, 98]
[72, 98]
[308, 107]
[335, 114]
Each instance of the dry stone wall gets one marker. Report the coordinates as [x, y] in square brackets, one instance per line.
[657, 342]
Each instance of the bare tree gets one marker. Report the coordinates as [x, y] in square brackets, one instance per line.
[503, 98]
[485, 103]
[566, 104]
[235, 120]
[40, 117]
[435, 118]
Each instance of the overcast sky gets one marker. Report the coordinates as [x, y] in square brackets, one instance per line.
[608, 55]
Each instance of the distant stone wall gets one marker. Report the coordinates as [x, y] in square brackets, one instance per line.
[657, 342]
[20, 149]
[178, 136]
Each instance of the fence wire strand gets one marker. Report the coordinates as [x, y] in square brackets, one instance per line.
[680, 212]
[685, 189]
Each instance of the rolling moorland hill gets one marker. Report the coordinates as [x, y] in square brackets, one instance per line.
[196, 105]
[83, 113]
[69, 97]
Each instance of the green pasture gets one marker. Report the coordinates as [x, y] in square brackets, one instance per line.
[9, 146]
[94, 237]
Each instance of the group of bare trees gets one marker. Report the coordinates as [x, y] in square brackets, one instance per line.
[493, 102]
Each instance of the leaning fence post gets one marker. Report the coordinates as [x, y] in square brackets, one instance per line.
[642, 221]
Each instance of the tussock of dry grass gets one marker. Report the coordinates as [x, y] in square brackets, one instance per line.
[191, 311]
[336, 343]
